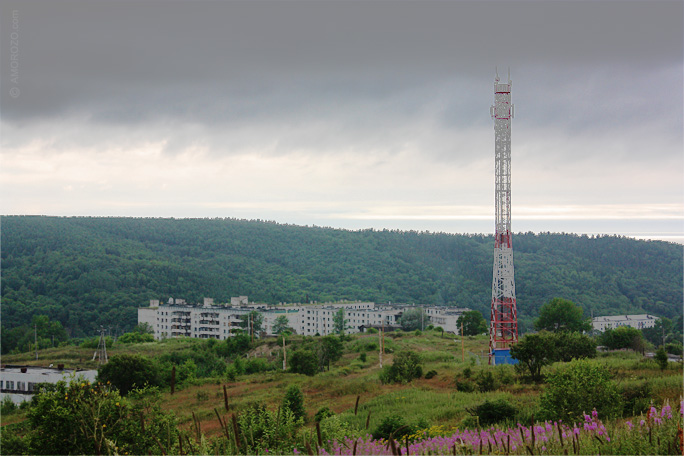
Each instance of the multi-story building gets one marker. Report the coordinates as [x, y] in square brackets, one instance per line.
[19, 383]
[640, 321]
[179, 319]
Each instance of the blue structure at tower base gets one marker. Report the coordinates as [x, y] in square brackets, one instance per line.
[503, 356]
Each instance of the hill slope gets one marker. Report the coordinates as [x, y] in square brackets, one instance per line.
[91, 271]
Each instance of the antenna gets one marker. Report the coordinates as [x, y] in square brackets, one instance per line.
[101, 352]
[503, 331]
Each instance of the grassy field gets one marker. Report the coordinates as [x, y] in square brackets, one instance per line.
[431, 402]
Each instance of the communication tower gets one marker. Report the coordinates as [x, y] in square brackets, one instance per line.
[503, 329]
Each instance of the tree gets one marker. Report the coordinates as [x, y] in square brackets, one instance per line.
[413, 319]
[330, 350]
[252, 322]
[622, 337]
[572, 345]
[303, 362]
[85, 418]
[473, 323]
[339, 322]
[562, 315]
[406, 366]
[661, 358]
[294, 401]
[534, 351]
[579, 388]
[280, 324]
[135, 338]
[126, 372]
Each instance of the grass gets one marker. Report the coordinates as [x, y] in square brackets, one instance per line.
[434, 400]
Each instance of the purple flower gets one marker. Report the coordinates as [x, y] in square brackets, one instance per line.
[642, 422]
[594, 413]
[630, 425]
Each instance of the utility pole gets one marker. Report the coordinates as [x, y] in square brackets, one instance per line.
[35, 338]
[284, 355]
[462, 343]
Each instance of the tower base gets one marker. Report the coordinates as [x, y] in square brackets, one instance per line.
[503, 356]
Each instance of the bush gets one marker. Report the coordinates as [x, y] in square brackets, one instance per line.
[126, 372]
[578, 388]
[256, 365]
[465, 385]
[135, 338]
[264, 430]
[303, 362]
[486, 382]
[491, 412]
[405, 367]
[294, 402]
[661, 358]
[431, 374]
[7, 406]
[84, 418]
[636, 398]
[322, 414]
[363, 357]
[392, 425]
[674, 349]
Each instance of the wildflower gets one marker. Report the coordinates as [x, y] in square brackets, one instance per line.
[104, 426]
[666, 412]
[630, 425]
[594, 413]
[642, 422]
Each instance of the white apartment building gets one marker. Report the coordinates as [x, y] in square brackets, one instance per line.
[19, 382]
[178, 319]
[640, 321]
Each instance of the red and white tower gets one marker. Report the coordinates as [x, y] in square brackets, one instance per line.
[503, 329]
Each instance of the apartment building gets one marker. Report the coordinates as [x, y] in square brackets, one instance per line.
[640, 321]
[176, 318]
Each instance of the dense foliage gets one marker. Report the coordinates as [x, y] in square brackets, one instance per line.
[562, 315]
[86, 272]
[472, 322]
[534, 351]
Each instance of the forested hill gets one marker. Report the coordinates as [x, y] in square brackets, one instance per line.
[90, 271]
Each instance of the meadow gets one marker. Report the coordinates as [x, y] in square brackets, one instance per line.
[441, 412]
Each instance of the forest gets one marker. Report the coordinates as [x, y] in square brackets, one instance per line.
[90, 271]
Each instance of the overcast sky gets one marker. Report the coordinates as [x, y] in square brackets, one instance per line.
[349, 114]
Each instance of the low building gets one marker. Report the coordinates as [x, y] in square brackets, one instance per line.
[19, 383]
[640, 321]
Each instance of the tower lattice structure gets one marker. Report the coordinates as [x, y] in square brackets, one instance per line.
[503, 331]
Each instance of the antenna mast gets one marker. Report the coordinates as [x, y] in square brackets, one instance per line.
[503, 330]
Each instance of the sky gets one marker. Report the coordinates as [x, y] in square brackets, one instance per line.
[350, 114]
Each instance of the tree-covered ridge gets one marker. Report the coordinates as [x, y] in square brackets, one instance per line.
[88, 271]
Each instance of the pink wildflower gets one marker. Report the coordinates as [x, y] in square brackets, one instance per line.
[594, 413]
[642, 422]
[630, 425]
[666, 412]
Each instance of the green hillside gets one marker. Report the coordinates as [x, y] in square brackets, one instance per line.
[87, 271]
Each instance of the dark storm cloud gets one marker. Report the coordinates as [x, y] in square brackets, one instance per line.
[212, 62]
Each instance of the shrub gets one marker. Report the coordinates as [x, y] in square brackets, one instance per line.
[363, 357]
[135, 338]
[491, 412]
[486, 382]
[661, 358]
[465, 385]
[256, 365]
[294, 402]
[84, 418]
[431, 374]
[266, 431]
[322, 414]
[126, 372]
[303, 362]
[637, 398]
[674, 349]
[580, 387]
[7, 406]
[405, 367]
[392, 425]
